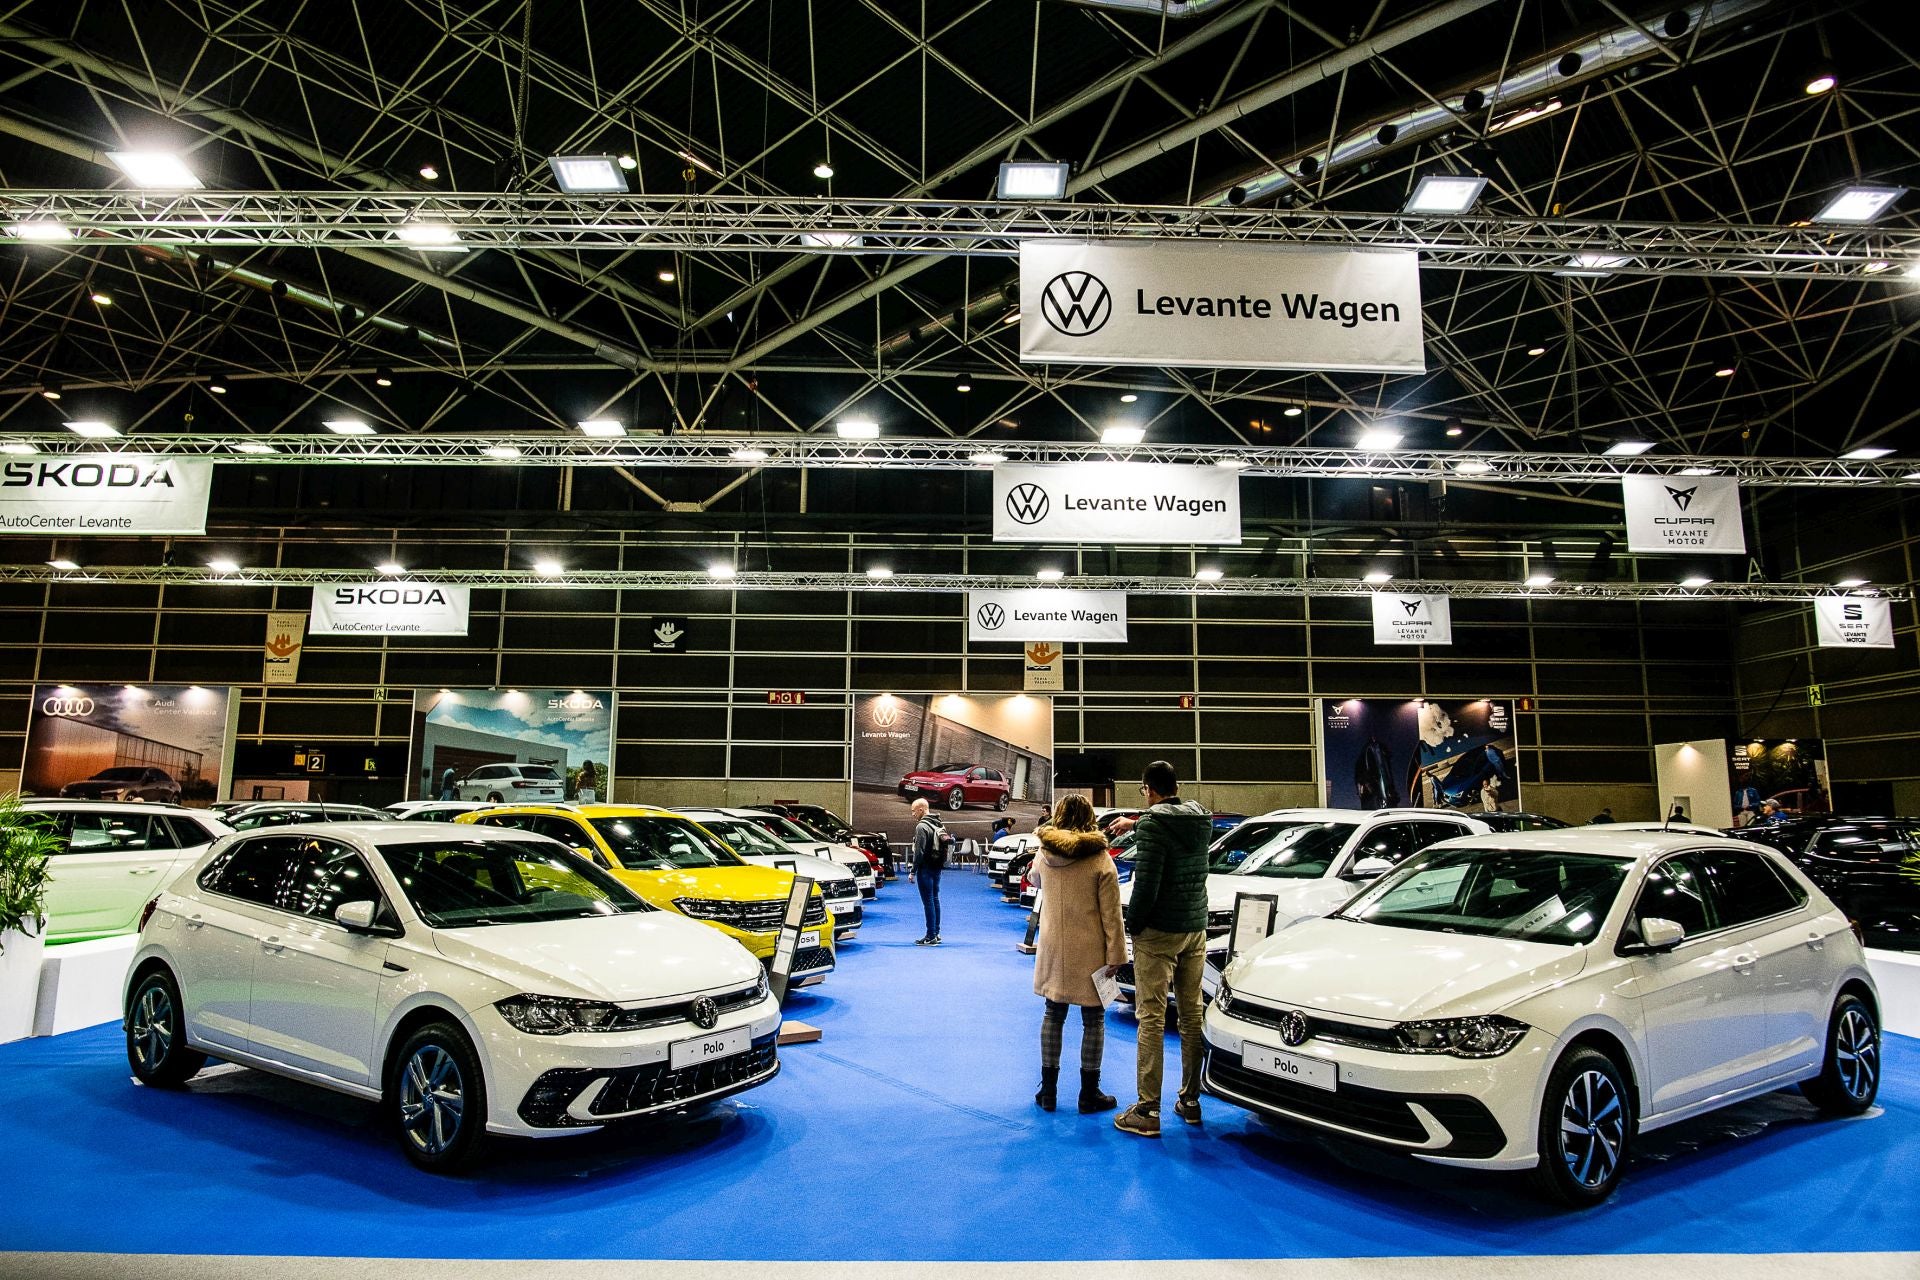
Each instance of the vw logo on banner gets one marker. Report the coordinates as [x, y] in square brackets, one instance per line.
[992, 617]
[67, 707]
[885, 715]
[1076, 303]
[1028, 503]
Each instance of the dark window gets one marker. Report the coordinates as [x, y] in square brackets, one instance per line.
[1743, 887]
[324, 876]
[1426, 833]
[1864, 846]
[1390, 840]
[1673, 891]
[110, 832]
[187, 832]
[254, 870]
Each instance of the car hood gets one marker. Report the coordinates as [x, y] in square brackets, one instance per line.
[818, 869]
[924, 775]
[736, 884]
[642, 956]
[94, 788]
[1293, 898]
[1375, 971]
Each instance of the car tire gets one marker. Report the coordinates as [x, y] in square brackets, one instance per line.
[1585, 1090]
[156, 1024]
[437, 1098]
[1849, 1078]
[1000, 801]
[956, 798]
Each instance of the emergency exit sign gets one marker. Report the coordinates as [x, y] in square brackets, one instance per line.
[786, 698]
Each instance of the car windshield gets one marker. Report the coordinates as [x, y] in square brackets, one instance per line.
[662, 844]
[120, 775]
[786, 829]
[1283, 850]
[950, 768]
[540, 771]
[1534, 895]
[825, 820]
[746, 839]
[462, 884]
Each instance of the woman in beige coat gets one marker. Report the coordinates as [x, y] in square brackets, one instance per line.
[1080, 931]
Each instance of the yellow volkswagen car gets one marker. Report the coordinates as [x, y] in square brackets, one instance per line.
[675, 864]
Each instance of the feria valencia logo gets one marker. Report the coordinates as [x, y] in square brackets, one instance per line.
[991, 616]
[885, 715]
[67, 707]
[1027, 503]
[1076, 303]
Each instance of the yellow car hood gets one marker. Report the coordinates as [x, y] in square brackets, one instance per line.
[730, 884]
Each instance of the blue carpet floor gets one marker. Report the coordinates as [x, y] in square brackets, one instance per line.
[907, 1133]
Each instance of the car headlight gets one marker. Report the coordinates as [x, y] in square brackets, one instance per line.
[1488, 1036]
[1223, 998]
[557, 1015]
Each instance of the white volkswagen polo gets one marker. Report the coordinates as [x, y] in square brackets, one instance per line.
[1534, 1001]
[472, 981]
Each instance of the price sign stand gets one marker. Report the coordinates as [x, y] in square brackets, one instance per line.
[1253, 916]
[785, 950]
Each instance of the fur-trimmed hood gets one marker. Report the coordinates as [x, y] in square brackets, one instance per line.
[1063, 845]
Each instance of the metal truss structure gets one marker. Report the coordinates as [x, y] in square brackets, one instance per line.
[641, 580]
[737, 452]
[756, 224]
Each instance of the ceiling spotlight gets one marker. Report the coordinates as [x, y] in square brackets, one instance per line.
[1231, 464]
[1859, 204]
[1875, 268]
[1540, 580]
[216, 387]
[1848, 584]
[1724, 371]
[823, 171]
[392, 568]
[1627, 448]
[1445, 193]
[549, 568]
[603, 428]
[430, 173]
[51, 390]
[857, 429]
[831, 240]
[64, 566]
[1377, 578]
[383, 377]
[251, 446]
[1207, 575]
[1012, 315]
[749, 455]
[502, 451]
[1695, 582]
[1377, 440]
[39, 231]
[1537, 349]
[1866, 453]
[431, 237]
[92, 430]
[879, 572]
[1821, 80]
[347, 427]
[1292, 411]
[155, 170]
[588, 175]
[1526, 116]
[1123, 435]
[18, 449]
[224, 566]
[963, 386]
[101, 299]
[1455, 428]
[1128, 398]
[1050, 575]
[721, 570]
[1031, 180]
[627, 162]
[987, 458]
[1472, 468]
[665, 276]
[1594, 264]
[1699, 471]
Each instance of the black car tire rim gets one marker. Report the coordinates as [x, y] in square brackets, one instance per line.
[152, 1030]
[1856, 1053]
[432, 1099]
[1593, 1129]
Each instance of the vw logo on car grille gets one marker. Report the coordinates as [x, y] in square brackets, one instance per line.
[992, 617]
[885, 715]
[1076, 303]
[1027, 503]
[67, 707]
[1293, 1027]
[705, 1013]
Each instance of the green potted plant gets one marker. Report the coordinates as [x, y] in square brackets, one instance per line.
[26, 841]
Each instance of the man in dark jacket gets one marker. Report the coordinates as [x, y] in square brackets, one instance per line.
[1167, 921]
[930, 841]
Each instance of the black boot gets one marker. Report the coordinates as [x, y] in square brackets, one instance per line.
[1091, 1099]
[1049, 1088]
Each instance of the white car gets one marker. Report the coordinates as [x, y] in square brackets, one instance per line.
[1534, 1001]
[512, 784]
[113, 857]
[471, 981]
[795, 836]
[746, 837]
[1001, 853]
[432, 810]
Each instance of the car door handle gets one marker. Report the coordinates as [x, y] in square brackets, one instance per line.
[1816, 942]
[195, 922]
[143, 871]
[1744, 964]
[272, 945]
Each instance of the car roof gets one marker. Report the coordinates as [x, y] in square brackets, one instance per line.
[388, 828]
[584, 810]
[1358, 815]
[1607, 839]
[114, 806]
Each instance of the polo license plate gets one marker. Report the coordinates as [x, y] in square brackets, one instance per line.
[691, 1053]
[1291, 1066]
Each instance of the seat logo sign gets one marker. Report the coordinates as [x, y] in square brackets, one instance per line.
[1028, 503]
[1682, 498]
[1293, 1027]
[885, 715]
[1076, 303]
[992, 617]
[67, 707]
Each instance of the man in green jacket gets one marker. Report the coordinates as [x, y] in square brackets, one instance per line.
[1167, 920]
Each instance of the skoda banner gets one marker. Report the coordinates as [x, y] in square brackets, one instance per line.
[1683, 514]
[1048, 613]
[1237, 306]
[1399, 619]
[1853, 622]
[1113, 502]
[390, 609]
[105, 494]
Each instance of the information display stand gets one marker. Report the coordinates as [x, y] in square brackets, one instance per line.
[1253, 915]
[789, 944]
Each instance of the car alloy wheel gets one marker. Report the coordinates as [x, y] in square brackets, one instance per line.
[1593, 1126]
[432, 1100]
[956, 798]
[157, 1049]
[150, 1035]
[1856, 1053]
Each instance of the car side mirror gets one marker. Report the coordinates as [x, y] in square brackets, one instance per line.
[356, 917]
[594, 856]
[1657, 936]
[1369, 869]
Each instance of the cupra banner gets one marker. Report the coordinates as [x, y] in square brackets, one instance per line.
[1115, 502]
[1236, 306]
[1683, 515]
[1404, 619]
[90, 494]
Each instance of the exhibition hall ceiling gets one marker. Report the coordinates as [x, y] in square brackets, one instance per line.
[1696, 115]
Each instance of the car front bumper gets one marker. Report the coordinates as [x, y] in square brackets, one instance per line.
[1472, 1112]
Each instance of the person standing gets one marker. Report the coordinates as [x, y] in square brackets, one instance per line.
[587, 785]
[446, 784]
[1770, 815]
[1167, 920]
[930, 841]
[1080, 932]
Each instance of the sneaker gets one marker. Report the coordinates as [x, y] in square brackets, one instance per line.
[921, 942]
[934, 941]
[1140, 1120]
[1188, 1111]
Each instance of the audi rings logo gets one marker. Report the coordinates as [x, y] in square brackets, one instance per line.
[1293, 1027]
[67, 707]
[992, 617]
[885, 715]
[1076, 303]
[705, 1013]
[1028, 503]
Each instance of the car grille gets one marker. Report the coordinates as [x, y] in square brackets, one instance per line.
[812, 959]
[839, 889]
[1371, 1112]
[661, 1015]
[1218, 923]
[647, 1088]
[1318, 1028]
[763, 916]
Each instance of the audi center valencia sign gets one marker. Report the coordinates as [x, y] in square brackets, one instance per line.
[104, 494]
[1146, 502]
[1239, 306]
[1683, 514]
[1048, 613]
[1399, 619]
[390, 609]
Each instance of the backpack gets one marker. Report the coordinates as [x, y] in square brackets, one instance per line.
[942, 841]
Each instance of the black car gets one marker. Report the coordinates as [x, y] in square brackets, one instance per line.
[830, 827]
[1862, 864]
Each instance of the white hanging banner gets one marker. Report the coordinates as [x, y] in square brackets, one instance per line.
[390, 609]
[1688, 514]
[1047, 613]
[105, 494]
[1853, 622]
[1399, 619]
[1109, 502]
[1220, 305]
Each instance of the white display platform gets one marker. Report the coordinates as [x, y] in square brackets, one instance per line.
[1897, 974]
[80, 984]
